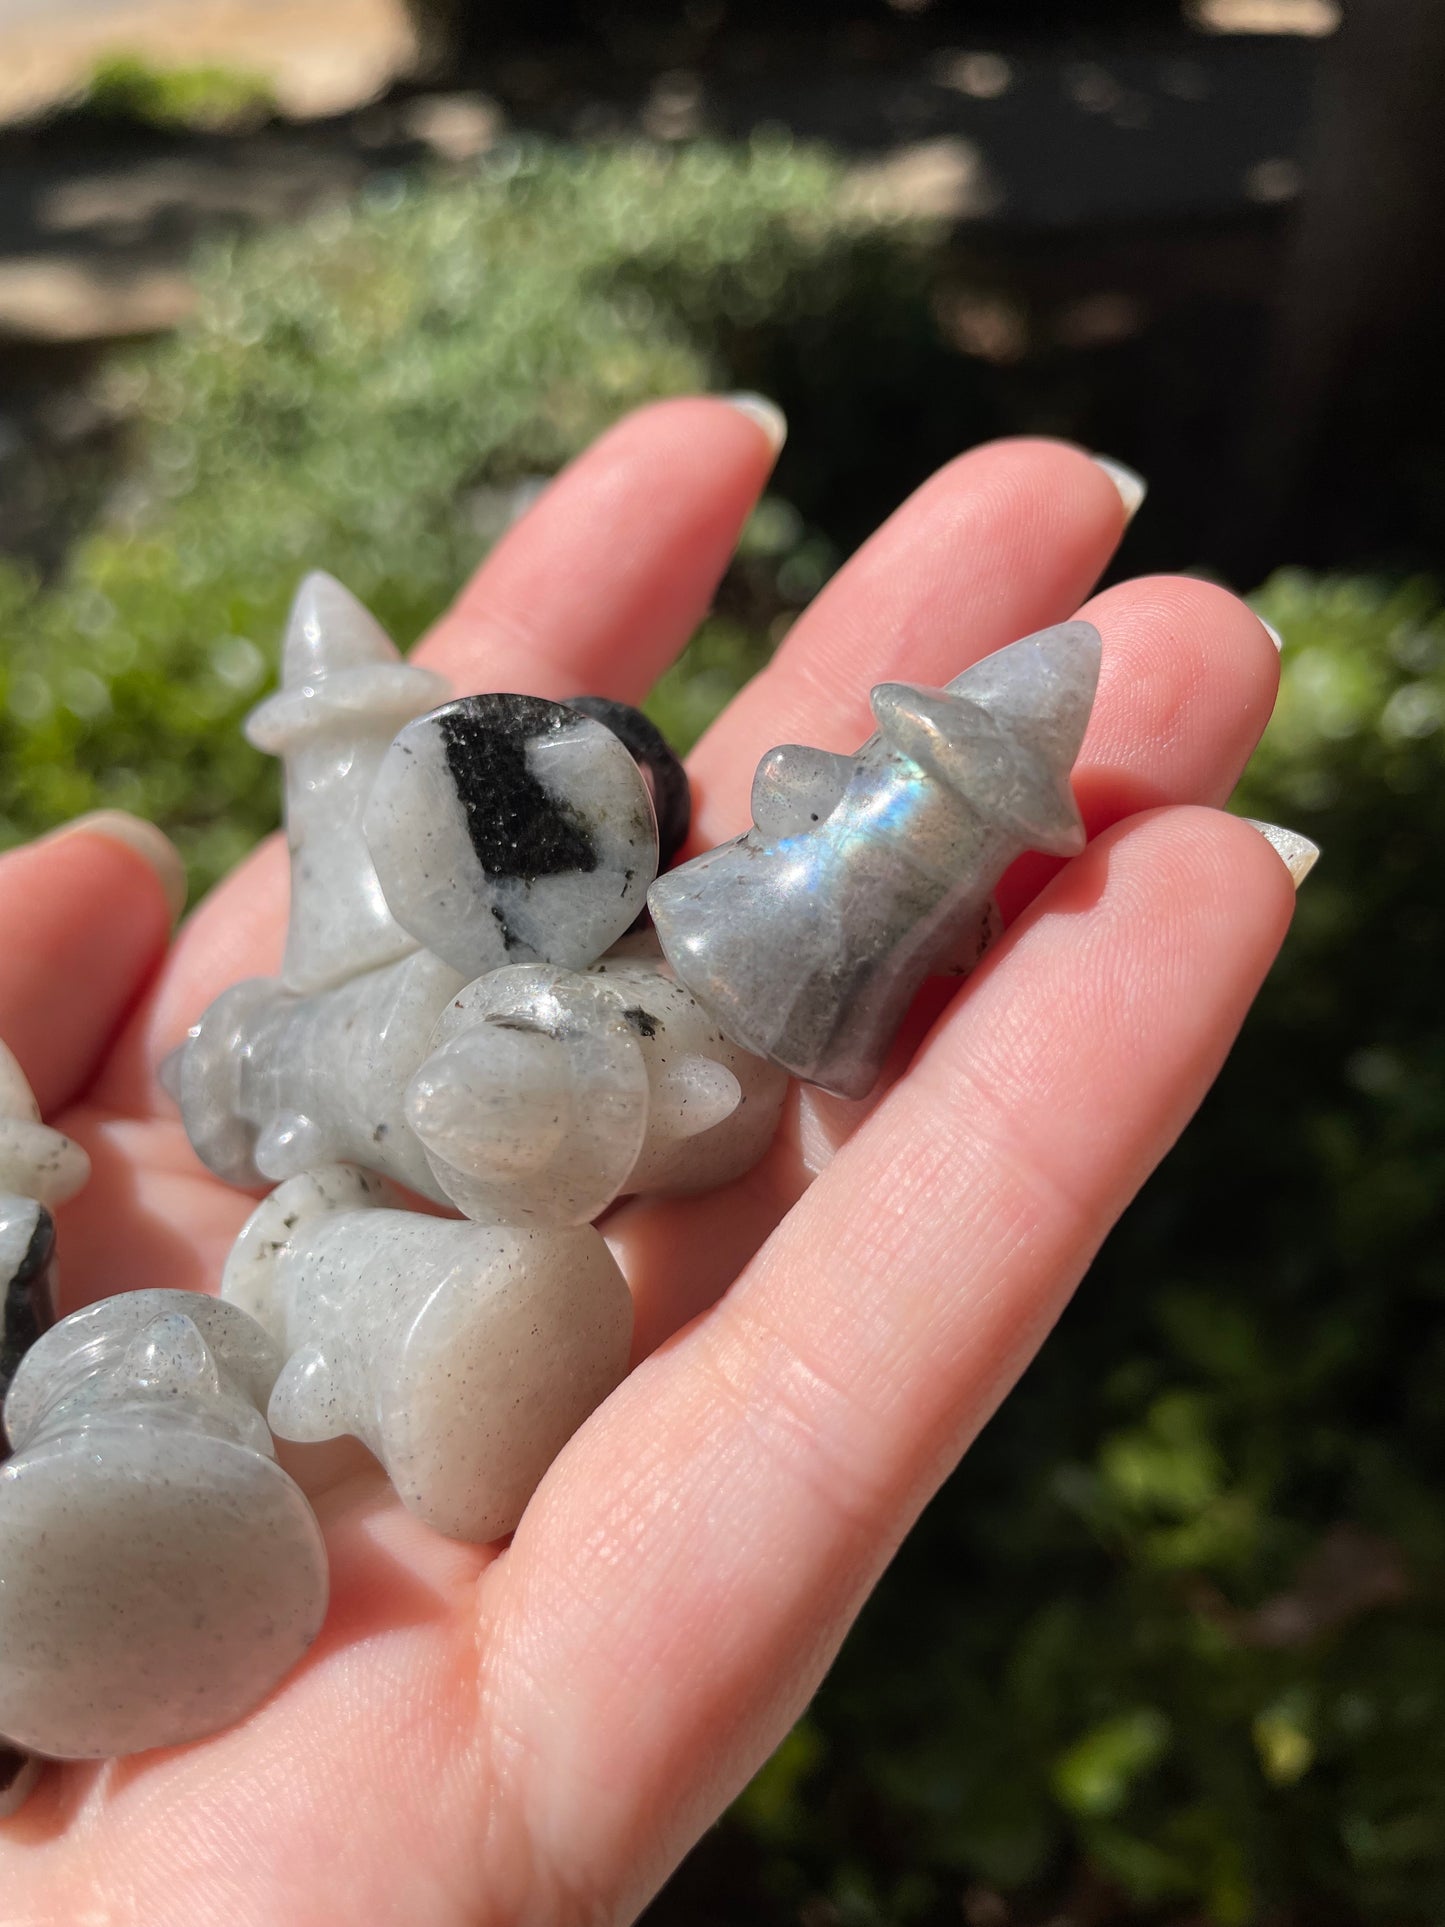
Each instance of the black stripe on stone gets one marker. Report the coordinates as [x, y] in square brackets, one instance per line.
[659, 763]
[516, 827]
[29, 1298]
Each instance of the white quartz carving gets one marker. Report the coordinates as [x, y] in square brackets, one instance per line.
[505, 829]
[464, 1355]
[551, 1092]
[533, 1095]
[159, 1572]
[344, 693]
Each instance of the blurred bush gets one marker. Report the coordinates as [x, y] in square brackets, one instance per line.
[368, 393]
[212, 100]
[1170, 1644]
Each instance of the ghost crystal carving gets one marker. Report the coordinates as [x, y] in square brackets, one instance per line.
[808, 937]
[464, 1355]
[505, 828]
[551, 1092]
[39, 1168]
[344, 693]
[159, 1572]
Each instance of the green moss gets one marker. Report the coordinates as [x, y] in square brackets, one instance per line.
[207, 99]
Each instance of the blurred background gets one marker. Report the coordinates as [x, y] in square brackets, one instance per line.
[338, 283]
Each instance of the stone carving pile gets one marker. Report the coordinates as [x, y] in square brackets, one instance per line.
[479, 1041]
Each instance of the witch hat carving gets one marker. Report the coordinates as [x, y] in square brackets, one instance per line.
[345, 692]
[808, 937]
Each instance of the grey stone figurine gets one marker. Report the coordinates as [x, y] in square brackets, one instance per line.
[464, 1355]
[808, 937]
[159, 1572]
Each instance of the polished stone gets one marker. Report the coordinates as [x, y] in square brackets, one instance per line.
[463, 1355]
[159, 1572]
[550, 1093]
[507, 829]
[808, 937]
[345, 691]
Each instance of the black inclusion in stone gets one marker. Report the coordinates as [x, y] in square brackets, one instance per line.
[27, 1307]
[654, 756]
[517, 828]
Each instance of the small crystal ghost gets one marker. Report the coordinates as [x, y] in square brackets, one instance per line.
[159, 1572]
[463, 1355]
[808, 937]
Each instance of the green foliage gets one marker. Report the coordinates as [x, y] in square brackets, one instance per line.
[363, 394]
[198, 99]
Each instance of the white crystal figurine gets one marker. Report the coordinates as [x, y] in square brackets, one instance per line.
[463, 1355]
[159, 1572]
[345, 691]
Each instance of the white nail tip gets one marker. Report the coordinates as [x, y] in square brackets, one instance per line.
[152, 845]
[767, 414]
[1298, 855]
[1131, 485]
[1269, 629]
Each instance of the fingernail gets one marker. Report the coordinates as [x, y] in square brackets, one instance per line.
[145, 840]
[1269, 629]
[1131, 485]
[767, 414]
[1298, 855]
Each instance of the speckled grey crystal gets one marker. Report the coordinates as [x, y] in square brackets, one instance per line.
[808, 937]
[159, 1572]
[464, 1355]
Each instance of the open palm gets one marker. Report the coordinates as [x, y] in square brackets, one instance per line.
[538, 1733]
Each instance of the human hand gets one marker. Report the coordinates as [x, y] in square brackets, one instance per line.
[538, 1732]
